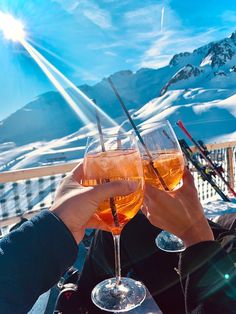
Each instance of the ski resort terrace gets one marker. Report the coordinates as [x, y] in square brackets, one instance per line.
[23, 193]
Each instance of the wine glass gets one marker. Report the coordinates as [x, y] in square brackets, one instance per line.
[163, 165]
[108, 158]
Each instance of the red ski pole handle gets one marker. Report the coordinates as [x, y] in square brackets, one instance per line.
[181, 125]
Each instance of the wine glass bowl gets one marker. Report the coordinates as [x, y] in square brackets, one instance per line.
[111, 158]
[112, 165]
[163, 165]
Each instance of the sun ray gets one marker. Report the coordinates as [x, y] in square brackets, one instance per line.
[82, 105]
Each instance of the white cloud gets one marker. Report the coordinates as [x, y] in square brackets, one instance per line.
[88, 76]
[68, 5]
[147, 15]
[98, 16]
[151, 17]
[162, 49]
[111, 53]
[107, 45]
[155, 32]
[90, 9]
[157, 62]
[159, 32]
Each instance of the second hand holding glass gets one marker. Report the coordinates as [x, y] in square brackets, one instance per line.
[165, 170]
[117, 158]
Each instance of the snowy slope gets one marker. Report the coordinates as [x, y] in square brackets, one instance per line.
[211, 121]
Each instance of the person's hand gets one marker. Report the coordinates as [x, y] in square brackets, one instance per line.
[179, 212]
[75, 204]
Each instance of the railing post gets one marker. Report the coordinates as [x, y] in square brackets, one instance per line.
[230, 163]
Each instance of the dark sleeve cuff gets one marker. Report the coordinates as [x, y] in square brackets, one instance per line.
[33, 257]
[56, 238]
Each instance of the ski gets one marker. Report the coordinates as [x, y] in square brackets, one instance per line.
[205, 156]
[207, 153]
[203, 170]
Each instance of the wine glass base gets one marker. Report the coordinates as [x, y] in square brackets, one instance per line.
[168, 242]
[118, 298]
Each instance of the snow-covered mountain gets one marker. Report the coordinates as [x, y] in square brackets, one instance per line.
[49, 116]
[197, 87]
[210, 66]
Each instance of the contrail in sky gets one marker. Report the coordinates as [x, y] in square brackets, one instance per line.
[162, 18]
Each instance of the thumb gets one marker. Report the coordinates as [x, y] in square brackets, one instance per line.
[188, 181]
[187, 177]
[115, 188]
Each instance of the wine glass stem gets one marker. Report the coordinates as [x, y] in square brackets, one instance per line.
[116, 239]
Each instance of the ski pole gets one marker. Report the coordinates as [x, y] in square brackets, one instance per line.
[182, 127]
[189, 155]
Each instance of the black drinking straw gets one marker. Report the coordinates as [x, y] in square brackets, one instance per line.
[100, 131]
[112, 201]
[138, 134]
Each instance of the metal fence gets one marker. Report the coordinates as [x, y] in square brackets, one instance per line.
[25, 192]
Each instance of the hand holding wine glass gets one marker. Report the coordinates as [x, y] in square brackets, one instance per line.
[116, 157]
[76, 204]
[163, 168]
[179, 212]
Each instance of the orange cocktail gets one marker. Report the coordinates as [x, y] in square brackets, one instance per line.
[116, 165]
[170, 166]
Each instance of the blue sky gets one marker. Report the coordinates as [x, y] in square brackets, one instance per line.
[88, 40]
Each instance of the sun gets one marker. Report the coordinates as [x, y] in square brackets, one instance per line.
[12, 28]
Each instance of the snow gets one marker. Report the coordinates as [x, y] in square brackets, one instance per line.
[211, 121]
[218, 208]
[206, 61]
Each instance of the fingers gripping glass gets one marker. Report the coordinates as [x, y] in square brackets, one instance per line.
[117, 158]
[165, 170]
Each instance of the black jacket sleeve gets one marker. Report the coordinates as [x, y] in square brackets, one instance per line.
[208, 277]
[32, 259]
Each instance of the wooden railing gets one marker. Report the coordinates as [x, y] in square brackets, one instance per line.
[25, 192]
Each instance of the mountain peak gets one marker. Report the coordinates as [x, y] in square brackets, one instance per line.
[220, 53]
[233, 36]
[176, 59]
[183, 74]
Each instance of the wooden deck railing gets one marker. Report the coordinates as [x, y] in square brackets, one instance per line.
[25, 192]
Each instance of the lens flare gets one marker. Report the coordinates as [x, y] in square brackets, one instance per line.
[12, 28]
[81, 104]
